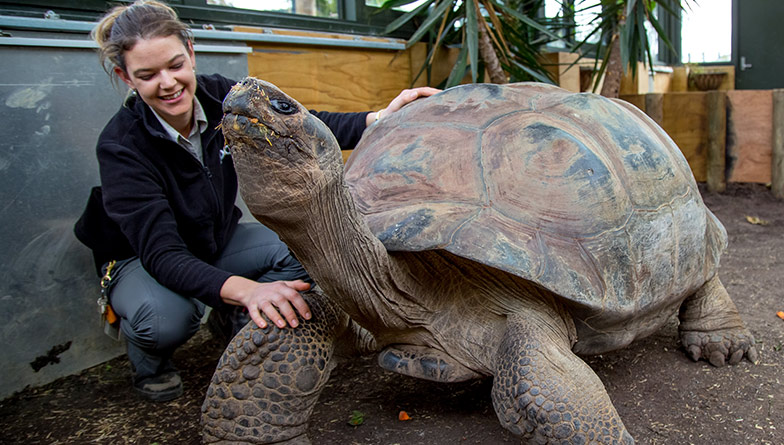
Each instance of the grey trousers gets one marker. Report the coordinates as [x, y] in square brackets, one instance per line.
[156, 320]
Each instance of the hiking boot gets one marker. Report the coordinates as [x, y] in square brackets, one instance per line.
[160, 388]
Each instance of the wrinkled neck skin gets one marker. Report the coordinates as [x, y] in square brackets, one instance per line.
[331, 239]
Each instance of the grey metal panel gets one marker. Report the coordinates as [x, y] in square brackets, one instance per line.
[73, 43]
[77, 26]
[53, 105]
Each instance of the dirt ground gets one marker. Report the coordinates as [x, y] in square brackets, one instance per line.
[662, 396]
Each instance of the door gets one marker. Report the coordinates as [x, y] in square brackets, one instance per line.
[758, 39]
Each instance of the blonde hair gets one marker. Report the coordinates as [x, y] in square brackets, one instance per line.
[120, 29]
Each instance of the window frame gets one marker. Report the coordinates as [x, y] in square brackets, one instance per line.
[354, 16]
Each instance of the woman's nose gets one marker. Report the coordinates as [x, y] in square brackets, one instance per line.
[167, 79]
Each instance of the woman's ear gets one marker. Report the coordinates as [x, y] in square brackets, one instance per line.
[124, 76]
[192, 54]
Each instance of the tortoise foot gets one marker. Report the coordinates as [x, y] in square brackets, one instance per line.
[712, 329]
[546, 394]
[268, 380]
[720, 347]
[424, 363]
[299, 440]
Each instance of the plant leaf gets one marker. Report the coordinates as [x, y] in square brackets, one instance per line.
[528, 21]
[356, 418]
[458, 71]
[405, 18]
[426, 26]
[472, 37]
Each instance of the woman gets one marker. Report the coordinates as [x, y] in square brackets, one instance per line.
[167, 211]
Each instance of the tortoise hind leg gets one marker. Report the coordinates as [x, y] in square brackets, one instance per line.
[545, 393]
[268, 380]
[712, 329]
[424, 363]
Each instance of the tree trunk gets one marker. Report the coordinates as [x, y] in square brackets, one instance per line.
[614, 70]
[489, 57]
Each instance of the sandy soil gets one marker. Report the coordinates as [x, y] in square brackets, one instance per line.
[662, 396]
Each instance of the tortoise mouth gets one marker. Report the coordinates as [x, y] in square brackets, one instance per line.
[241, 125]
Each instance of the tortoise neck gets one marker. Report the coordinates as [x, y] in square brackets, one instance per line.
[339, 251]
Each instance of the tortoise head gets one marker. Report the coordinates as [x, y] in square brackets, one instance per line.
[282, 153]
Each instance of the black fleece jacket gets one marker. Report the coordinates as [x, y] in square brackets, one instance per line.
[175, 213]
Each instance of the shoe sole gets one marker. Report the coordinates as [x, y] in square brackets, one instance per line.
[161, 396]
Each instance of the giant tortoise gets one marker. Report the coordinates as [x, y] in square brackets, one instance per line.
[487, 231]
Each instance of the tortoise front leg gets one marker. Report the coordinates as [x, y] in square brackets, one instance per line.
[544, 392]
[268, 380]
[712, 329]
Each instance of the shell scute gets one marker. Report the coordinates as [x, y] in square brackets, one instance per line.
[580, 194]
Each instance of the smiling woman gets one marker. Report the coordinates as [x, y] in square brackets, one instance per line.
[162, 72]
[167, 192]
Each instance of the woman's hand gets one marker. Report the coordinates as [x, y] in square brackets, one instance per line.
[405, 97]
[278, 300]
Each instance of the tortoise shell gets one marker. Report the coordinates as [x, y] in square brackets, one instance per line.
[581, 194]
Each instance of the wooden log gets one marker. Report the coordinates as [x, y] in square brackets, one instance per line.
[638, 100]
[717, 132]
[749, 135]
[777, 157]
[686, 122]
[654, 107]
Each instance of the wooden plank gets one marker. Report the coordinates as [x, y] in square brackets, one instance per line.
[654, 107]
[562, 66]
[638, 100]
[684, 119]
[637, 84]
[777, 156]
[750, 135]
[717, 132]
[680, 79]
[333, 79]
[319, 34]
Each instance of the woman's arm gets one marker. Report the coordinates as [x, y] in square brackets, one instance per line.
[405, 97]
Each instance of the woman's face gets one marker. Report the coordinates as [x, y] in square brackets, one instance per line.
[162, 71]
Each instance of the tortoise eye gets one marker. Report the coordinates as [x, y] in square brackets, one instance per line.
[282, 106]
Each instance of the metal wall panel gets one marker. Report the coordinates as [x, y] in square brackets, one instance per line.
[53, 104]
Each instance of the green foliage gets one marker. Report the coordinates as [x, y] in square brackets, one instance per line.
[327, 8]
[356, 418]
[516, 30]
[625, 20]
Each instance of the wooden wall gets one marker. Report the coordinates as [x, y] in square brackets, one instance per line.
[361, 79]
[684, 117]
[331, 78]
[747, 135]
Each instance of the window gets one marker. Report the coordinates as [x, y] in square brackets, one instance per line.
[314, 8]
[707, 32]
[586, 13]
[408, 7]
[342, 16]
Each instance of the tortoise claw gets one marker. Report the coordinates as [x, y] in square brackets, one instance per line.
[736, 357]
[752, 355]
[717, 359]
[720, 347]
[694, 353]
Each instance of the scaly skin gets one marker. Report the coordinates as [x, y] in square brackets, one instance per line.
[712, 329]
[268, 380]
[543, 392]
[290, 175]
